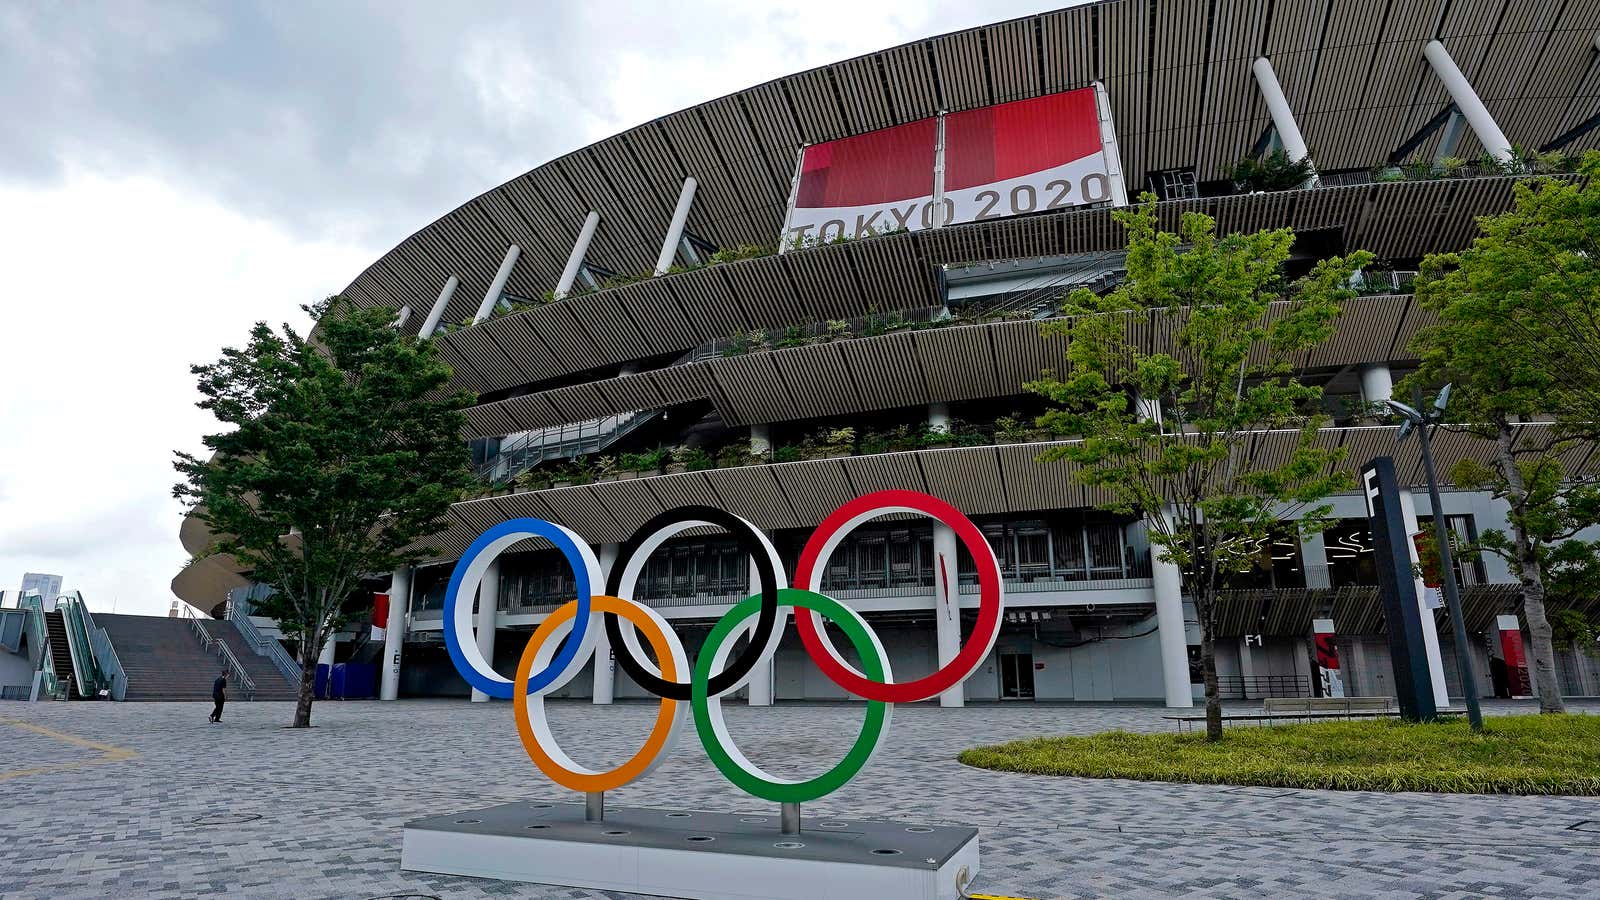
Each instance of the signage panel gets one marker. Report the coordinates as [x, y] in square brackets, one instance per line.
[1011, 159]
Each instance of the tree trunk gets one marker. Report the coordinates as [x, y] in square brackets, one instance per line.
[1531, 573]
[1208, 666]
[310, 649]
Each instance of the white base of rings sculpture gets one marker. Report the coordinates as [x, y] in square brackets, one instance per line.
[690, 853]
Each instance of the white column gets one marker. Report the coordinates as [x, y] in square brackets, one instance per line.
[947, 607]
[431, 323]
[488, 605]
[580, 249]
[1167, 582]
[680, 217]
[1477, 115]
[1377, 383]
[760, 687]
[1170, 630]
[330, 643]
[939, 417]
[1430, 627]
[761, 438]
[605, 667]
[492, 295]
[394, 633]
[1282, 116]
[402, 317]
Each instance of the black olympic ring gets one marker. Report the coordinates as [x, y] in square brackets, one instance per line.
[754, 544]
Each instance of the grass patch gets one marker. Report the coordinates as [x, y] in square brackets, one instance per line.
[1514, 755]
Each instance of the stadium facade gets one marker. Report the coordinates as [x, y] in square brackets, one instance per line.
[828, 284]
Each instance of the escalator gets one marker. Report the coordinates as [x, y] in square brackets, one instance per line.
[61, 652]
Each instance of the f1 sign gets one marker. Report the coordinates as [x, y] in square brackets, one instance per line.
[1044, 153]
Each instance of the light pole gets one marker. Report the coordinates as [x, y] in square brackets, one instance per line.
[1422, 419]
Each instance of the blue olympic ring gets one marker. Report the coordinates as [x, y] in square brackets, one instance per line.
[492, 543]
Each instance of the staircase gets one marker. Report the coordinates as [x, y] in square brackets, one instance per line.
[61, 652]
[165, 661]
[270, 683]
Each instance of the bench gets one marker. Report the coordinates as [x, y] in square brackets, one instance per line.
[1275, 709]
[1306, 705]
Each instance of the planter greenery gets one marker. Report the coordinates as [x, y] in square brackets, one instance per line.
[1512, 755]
[1273, 172]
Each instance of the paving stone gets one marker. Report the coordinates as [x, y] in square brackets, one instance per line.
[251, 809]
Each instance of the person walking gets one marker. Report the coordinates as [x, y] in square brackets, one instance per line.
[219, 694]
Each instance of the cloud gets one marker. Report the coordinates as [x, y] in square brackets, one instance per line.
[173, 172]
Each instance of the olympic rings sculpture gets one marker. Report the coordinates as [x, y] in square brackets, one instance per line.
[567, 638]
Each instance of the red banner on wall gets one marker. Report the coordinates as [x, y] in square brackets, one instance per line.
[1043, 153]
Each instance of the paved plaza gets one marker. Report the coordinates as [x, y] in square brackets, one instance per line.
[147, 799]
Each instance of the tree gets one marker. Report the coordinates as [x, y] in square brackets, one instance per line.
[342, 455]
[1235, 326]
[1273, 172]
[1518, 334]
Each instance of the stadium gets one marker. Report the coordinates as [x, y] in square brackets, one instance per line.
[831, 283]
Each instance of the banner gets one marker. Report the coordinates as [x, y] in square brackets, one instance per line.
[1036, 155]
[1329, 678]
[1045, 153]
[1516, 658]
[380, 615]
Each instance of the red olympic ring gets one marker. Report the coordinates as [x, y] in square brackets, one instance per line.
[990, 602]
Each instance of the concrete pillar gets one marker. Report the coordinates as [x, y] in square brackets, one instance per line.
[1477, 115]
[1430, 627]
[431, 323]
[402, 317]
[1168, 585]
[394, 636]
[947, 607]
[580, 249]
[1377, 383]
[680, 217]
[488, 605]
[605, 666]
[761, 438]
[491, 297]
[1302, 665]
[1314, 561]
[939, 417]
[1282, 116]
[1173, 635]
[1147, 408]
[759, 690]
[330, 645]
[1247, 668]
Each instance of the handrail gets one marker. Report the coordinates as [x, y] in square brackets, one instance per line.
[39, 653]
[247, 686]
[105, 655]
[85, 668]
[239, 615]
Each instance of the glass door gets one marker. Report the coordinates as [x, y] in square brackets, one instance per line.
[1016, 676]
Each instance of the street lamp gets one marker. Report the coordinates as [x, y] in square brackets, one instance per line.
[1421, 420]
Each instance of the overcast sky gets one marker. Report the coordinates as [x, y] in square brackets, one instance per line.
[170, 173]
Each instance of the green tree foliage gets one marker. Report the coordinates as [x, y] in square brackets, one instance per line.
[338, 456]
[1273, 172]
[1518, 333]
[1234, 327]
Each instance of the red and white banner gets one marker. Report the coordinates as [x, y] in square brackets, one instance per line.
[1516, 658]
[1045, 153]
[1026, 156]
[380, 615]
[1329, 677]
